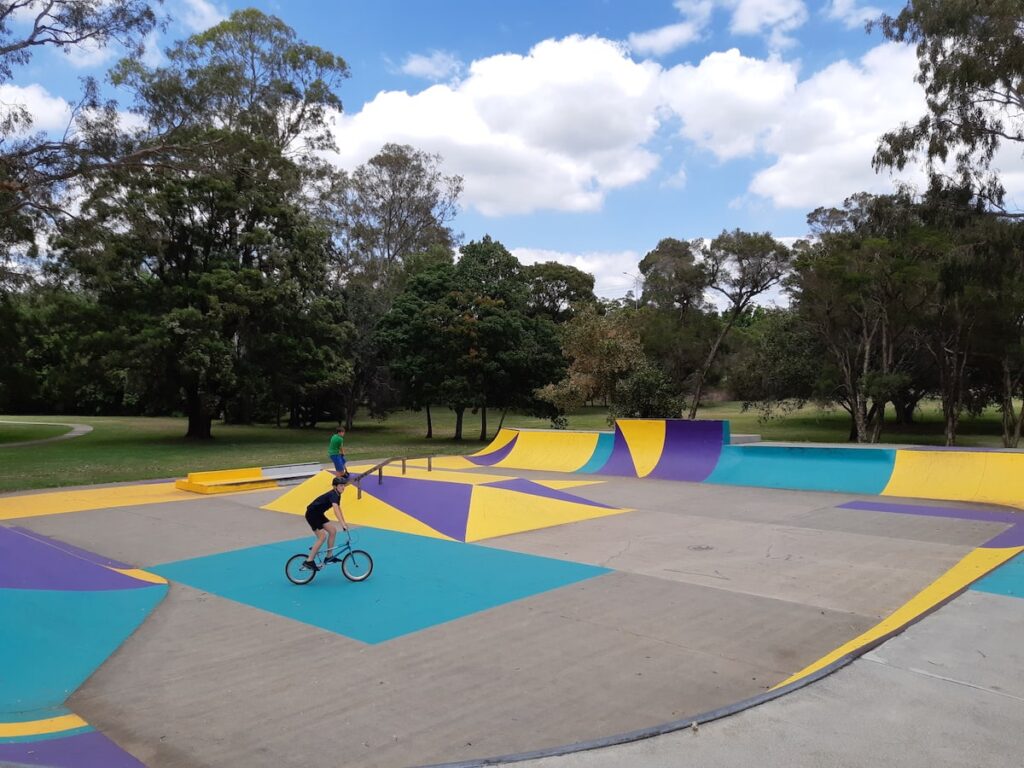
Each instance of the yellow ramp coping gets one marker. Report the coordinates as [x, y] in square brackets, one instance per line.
[646, 441]
[555, 451]
[980, 476]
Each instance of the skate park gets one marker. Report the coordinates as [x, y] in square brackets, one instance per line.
[556, 592]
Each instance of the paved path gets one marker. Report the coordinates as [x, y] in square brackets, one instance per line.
[77, 430]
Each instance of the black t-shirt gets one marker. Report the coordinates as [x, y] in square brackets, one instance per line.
[323, 503]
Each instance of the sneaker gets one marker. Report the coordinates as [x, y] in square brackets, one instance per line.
[309, 565]
[332, 559]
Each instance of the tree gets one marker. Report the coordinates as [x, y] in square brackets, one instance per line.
[971, 64]
[199, 267]
[645, 393]
[740, 267]
[555, 289]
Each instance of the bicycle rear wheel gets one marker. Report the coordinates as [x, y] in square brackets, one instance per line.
[295, 572]
[357, 565]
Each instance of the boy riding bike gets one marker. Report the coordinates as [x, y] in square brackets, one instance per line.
[316, 516]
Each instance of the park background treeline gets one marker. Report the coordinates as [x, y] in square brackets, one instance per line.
[205, 258]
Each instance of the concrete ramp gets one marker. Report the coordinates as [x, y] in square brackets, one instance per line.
[668, 449]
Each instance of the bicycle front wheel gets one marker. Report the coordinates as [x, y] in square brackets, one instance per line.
[357, 565]
[295, 572]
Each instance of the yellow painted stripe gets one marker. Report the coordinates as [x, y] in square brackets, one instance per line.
[972, 567]
[554, 451]
[558, 485]
[646, 441]
[445, 462]
[41, 727]
[141, 575]
[62, 502]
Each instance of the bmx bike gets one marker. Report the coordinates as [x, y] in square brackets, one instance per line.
[356, 564]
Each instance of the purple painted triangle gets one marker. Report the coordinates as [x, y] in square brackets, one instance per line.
[441, 505]
[28, 563]
[535, 489]
[490, 459]
[88, 749]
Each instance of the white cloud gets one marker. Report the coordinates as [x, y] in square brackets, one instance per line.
[89, 54]
[851, 13]
[665, 39]
[152, 54]
[199, 15]
[777, 18]
[554, 129]
[729, 102]
[677, 180]
[615, 272]
[439, 65]
[49, 113]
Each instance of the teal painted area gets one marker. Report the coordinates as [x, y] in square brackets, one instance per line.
[417, 582]
[1007, 580]
[605, 443]
[848, 470]
[52, 641]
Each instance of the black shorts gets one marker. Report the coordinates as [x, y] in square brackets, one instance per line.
[315, 519]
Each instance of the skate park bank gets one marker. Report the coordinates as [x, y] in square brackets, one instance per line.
[557, 590]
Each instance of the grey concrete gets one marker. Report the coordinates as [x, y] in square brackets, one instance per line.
[77, 430]
[947, 693]
[718, 594]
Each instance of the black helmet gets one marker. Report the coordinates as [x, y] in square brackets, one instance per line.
[343, 480]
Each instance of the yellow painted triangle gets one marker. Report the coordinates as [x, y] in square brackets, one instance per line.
[499, 512]
[646, 440]
[558, 485]
[444, 462]
[296, 500]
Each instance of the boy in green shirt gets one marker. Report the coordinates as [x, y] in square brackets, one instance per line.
[336, 452]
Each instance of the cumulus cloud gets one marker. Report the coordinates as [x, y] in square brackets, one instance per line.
[776, 18]
[48, 112]
[555, 129]
[199, 15]
[438, 65]
[851, 13]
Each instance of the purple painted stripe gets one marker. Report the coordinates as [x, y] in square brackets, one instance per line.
[490, 459]
[82, 553]
[691, 450]
[535, 489]
[90, 749]
[443, 506]
[982, 515]
[1012, 537]
[27, 563]
[621, 460]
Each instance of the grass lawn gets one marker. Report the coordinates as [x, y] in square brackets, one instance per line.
[135, 448]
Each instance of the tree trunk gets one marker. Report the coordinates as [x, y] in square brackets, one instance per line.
[1013, 423]
[708, 362]
[501, 421]
[430, 425]
[199, 420]
[876, 421]
[483, 423]
[458, 421]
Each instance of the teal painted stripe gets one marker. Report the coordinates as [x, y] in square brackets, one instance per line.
[848, 470]
[1007, 580]
[53, 640]
[603, 449]
[46, 736]
[417, 582]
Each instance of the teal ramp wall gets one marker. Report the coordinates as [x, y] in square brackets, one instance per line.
[847, 470]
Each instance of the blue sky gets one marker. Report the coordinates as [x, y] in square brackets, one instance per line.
[587, 130]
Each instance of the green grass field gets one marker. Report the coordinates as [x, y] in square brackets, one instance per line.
[129, 448]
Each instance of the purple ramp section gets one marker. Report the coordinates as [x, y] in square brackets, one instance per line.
[691, 450]
[493, 458]
[1013, 537]
[92, 557]
[27, 563]
[442, 506]
[90, 749]
[535, 489]
[620, 462]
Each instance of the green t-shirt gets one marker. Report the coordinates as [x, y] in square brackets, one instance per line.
[335, 447]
